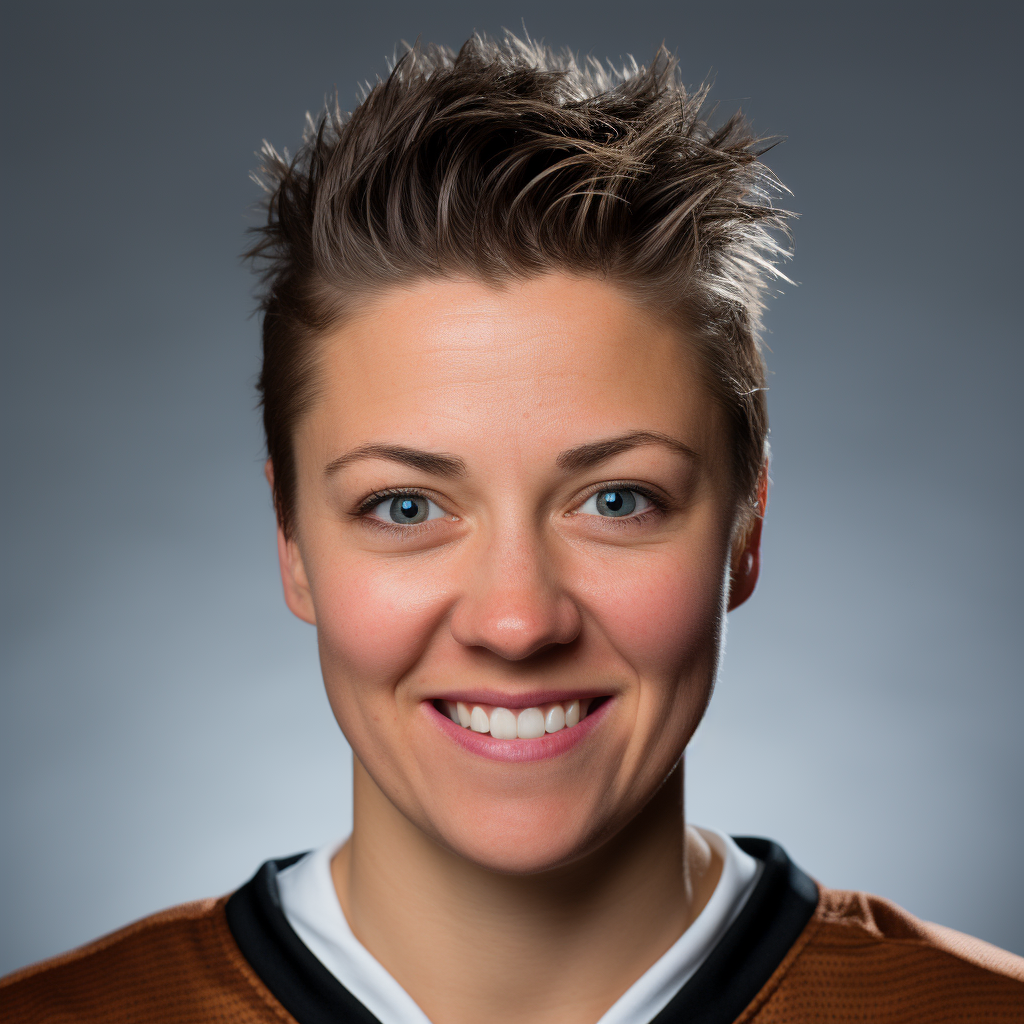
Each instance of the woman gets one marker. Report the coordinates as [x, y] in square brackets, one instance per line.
[516, 425]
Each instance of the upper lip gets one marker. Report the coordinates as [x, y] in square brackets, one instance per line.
[519, 700]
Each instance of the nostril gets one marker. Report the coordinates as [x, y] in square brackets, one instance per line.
[514, 614]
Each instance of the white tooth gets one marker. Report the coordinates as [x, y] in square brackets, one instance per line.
[572, 714]
[478, 721]
[530, 724]
[449, 707]
[555, 718]
[585, 706]
[464, 716]
[503, 724]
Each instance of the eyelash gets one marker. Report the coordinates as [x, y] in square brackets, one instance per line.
[370, 502]
[658, 506]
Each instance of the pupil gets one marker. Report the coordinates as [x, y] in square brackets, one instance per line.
[616, 503]
[408, 510]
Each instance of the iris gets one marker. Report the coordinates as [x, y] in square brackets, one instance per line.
[616, 503]
[409, 509]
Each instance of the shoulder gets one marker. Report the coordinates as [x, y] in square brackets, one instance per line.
[178, 966]
[857, 918]
[862, 957]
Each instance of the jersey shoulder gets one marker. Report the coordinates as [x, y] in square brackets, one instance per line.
[177, 966]
[862, 957]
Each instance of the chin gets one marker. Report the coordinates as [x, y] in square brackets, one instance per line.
[514, 842]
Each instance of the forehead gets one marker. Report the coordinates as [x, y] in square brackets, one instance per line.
[570, 357]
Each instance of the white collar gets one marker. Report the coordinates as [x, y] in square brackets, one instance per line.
[311, 906]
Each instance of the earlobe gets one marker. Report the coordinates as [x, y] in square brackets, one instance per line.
[297, 594]
[746, 562]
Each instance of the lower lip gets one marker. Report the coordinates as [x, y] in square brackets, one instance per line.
[543, 747]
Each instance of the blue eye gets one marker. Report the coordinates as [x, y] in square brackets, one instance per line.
[407, 509]
[616, 502]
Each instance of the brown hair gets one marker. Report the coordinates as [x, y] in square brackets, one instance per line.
[507, 160]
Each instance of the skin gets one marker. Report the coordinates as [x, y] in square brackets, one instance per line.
[546, 887]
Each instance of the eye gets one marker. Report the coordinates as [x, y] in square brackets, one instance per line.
[616, 502]
[407, 509]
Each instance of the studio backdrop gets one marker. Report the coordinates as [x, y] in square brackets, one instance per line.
[163, 728]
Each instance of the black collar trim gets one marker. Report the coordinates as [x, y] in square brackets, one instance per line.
[735, 971]
[746, 956]
[284, 963]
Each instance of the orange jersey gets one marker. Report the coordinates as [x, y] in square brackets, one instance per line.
[797, 953]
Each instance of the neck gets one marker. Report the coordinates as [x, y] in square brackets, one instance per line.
[469, 944]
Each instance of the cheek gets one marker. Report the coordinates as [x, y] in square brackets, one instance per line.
[664, 615]
[374, 620]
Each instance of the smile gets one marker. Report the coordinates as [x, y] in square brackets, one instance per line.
[541, 730]
[527, 724]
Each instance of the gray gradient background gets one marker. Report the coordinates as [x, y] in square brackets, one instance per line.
[162, 727]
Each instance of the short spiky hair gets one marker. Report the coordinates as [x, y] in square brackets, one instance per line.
[507, 160]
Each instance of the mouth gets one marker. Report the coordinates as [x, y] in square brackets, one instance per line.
[541, 730]
[530, 723]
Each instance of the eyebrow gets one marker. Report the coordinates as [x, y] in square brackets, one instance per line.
[573, 460]
[428, 462]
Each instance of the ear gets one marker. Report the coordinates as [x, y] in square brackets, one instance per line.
[746, 556]
[297, 594]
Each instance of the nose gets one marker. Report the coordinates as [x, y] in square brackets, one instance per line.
[515, 603]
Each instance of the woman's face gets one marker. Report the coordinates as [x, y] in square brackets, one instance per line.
[509, 500]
